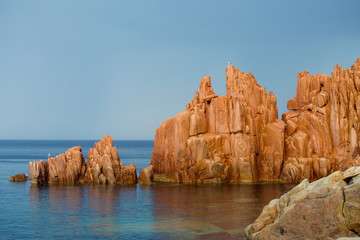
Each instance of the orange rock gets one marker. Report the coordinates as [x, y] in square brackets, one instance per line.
[39, 172]
[67, 168]
[104, 166]
[219, 139]
[322, 136]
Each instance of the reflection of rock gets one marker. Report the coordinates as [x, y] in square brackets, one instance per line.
[104, 166]
[326, 208]
[68, 167]
[232, 138]
[146, 175]
[322, 132]
[39, 172]
[22, 177]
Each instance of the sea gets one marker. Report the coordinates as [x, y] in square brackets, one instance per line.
[158, 211]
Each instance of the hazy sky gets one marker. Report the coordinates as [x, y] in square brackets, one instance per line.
[82, 69]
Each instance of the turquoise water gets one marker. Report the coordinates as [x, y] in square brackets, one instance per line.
[160, 211]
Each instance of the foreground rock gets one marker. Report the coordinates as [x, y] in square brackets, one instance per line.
[22, 177]
[328, 208]
[104, 167]
[232, 138]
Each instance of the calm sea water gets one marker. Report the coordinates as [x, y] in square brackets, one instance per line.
[160, 211]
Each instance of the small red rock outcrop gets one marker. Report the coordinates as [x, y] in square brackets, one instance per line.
[22, 177]
[104, 167]
[323, 129]
[232, 138]
[68, 167]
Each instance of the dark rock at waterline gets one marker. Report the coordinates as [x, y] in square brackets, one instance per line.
[22, 177]
[328, 208]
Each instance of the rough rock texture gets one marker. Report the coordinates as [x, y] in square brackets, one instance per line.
[325, 209]
[238, 137]
[323, 129]
[22, 177]
[39, 172]
[146, 175]
[104, 166]
[68, 167]
[232, 138]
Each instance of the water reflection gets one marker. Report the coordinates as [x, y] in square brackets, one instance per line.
[210, 211]
[161, 211]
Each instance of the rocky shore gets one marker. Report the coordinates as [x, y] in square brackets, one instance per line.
[328, 208]
[239, 138]
[103, 167]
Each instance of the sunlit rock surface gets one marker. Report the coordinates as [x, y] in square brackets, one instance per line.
[239, 138]
[233, 138]
[328, 208]
[103, 167]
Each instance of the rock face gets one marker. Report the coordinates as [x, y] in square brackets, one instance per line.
[39, 172]
[146, 175]
[325, 209]
[238, 137]
[232, 138]
[68, 167]
[104, 167]
[323, 129]
[19, 178]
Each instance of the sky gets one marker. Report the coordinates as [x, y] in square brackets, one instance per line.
[83, 69]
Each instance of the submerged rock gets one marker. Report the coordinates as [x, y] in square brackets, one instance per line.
[328, 208]
[22, 177]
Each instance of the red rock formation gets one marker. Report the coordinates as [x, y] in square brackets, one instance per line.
[104, 166]
[39, 172]
[322, 130]
[232, 138]
[68, 167]
[146, 175]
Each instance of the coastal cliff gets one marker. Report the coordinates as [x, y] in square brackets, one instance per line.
[233, 138]
[239, 138]
[103, 167]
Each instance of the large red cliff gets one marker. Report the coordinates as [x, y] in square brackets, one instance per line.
[233, 138]
[239, 138]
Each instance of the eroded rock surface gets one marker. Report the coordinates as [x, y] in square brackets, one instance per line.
[328, 208]
[68, 167]
[103, 167]
[238, 137]
[146, 175]
[322, 130]
[233, 138]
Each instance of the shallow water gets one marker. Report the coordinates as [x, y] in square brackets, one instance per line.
[160, 211]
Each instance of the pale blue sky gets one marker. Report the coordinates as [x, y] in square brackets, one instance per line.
[82, 69]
